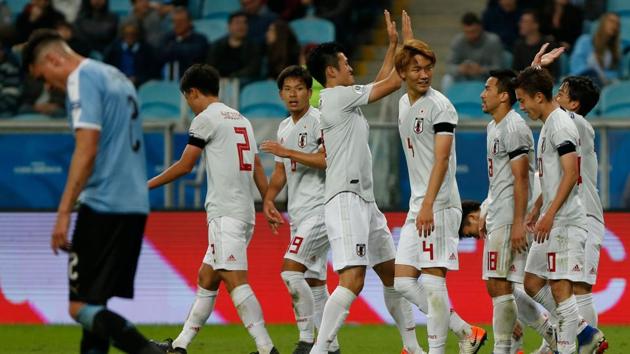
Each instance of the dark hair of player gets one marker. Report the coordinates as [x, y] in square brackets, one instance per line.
[203, 77]
[583, 90]
[470, 18]
[321, 57]
[38, 39]
[535, 79]
[505, 82]
[297, 72]
[468, 207]
[236, 14]
[410, 49]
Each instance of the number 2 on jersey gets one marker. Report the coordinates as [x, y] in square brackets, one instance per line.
[243, 166]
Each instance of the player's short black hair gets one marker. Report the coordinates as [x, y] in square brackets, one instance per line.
[295, 71]
[321, 57]
[203, 77]
[470, 18]
[37, 40]
[505, 82]
[236, 14]
[583, 90]
[535, 79]
[468, 207]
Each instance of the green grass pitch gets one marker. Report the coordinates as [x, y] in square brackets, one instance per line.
[18, 339]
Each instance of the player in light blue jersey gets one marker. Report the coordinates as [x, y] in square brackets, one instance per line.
[107, 177]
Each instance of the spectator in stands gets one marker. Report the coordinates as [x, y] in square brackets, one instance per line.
[69, 8]
[259, 17]
[563, 21]
[288, 9]
[182, 47]
[6, 17]
[132, 56]
[235, 55]
[599, 56]
[151, 21]
[282, 48]
[531, 40]
[97, 24]
[78, 44]
[339, 13]
[501, 18]
[40, 98]
[9, 82]
[37, 14]
[474, 52]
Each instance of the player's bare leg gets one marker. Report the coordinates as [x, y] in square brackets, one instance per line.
[398, 307]
[504, 313]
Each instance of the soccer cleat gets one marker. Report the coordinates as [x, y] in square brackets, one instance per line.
[543, 349]
[471, 344]
[419, 350]
[550, 338]
[338, 351]
[273, 351]
[591, 341]
[167, 346]
[303, 348]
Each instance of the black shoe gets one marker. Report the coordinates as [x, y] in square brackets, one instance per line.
[338, 351]
[166, 346]
[303, 348]
[273, 351]
[179, 351]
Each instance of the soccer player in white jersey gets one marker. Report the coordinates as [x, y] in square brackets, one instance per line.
[558, 217]
[304, 267]
[357, 230]
[226, 141]
[429, 238]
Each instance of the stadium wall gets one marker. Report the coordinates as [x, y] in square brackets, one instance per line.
[33, 285]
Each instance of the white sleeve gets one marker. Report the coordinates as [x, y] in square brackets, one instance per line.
[350, 97]
[201, 131]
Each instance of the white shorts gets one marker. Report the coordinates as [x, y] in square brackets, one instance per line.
[439, 250]
[309, 246]
[227, 243]
[357, 232]
[594, 237]
[561, 256]
[498, 259]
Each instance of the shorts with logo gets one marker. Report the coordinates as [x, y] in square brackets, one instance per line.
[228, 239]
[439, 250]
[559, 257]
[309, 246]
[498, 259]
[594, 237]
[357, 231]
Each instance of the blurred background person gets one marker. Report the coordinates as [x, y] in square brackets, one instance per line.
[36, 14]
[96, 24]
[10, 82]
[132, 55]
[563, 21]
[181, 47]
[283, 48]
[526, 47]
[501, 18]
[153, 24]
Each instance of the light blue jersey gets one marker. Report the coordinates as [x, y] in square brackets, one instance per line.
[100, 97]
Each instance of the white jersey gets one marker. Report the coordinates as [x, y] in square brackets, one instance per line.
[305, 185]
[510, 139]
[345, 133]
[557, 131]
[418, 124]
[229, 149]
[587, 183]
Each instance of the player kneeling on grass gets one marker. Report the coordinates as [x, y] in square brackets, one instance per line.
[300, 168]
[226, 139]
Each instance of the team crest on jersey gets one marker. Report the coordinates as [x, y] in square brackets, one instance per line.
[418, 125]
[542, 147]
[361, 249]
[302, 139]
[495, 146]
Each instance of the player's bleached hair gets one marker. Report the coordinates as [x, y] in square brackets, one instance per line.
[505, 82]
[468, 207]
[321, 57]
[37, 41]
[411, 48]
[583, 90]
[297, 72]
[202, 77]
[535, 80]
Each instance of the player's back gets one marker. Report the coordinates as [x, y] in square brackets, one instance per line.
[101, 97]
[587, 182]
[229, 155]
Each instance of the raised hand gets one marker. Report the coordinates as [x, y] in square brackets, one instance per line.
[407, 31]
[544, 59]
[391, 29]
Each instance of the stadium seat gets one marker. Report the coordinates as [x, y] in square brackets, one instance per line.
[16, 6]
[219, 9]
[615, 102]
[625, 66]
[160, 100]
[622, 7]
[313, 30]
[120, 7]
[508, 57]
[213, 29]
[260, 99]
[465, 97]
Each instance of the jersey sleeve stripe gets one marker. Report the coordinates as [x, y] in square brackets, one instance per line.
[443, 128]
[85, 125]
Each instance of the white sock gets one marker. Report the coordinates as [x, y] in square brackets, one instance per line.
[320, 294]
[335, 313]
[545, 298]
[503, 321]
[529, 312]
[568, 322]
[199, 312]
[438, 314]
[251, 315]
[460, 327]
[401, 311]
[303, 304]
[587, 308]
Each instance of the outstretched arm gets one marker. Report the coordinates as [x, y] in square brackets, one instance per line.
[183, 166]
[545, 59]
[388, 61]
[314, 160]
